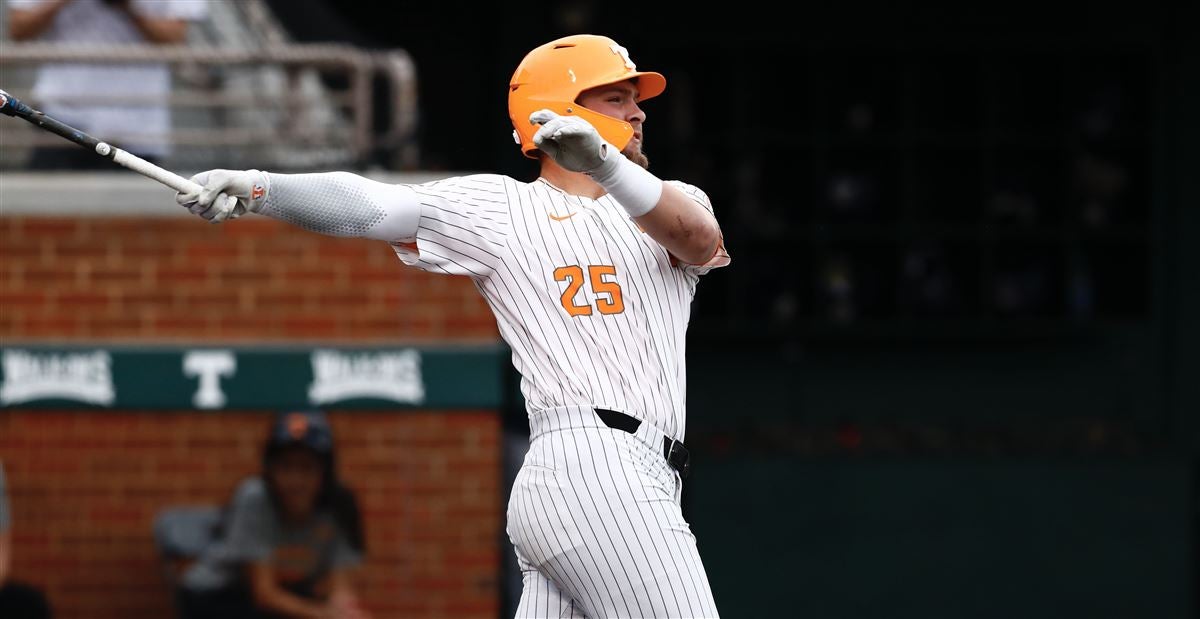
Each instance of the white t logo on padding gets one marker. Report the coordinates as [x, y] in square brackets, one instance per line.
[624, 54]
[210, 366]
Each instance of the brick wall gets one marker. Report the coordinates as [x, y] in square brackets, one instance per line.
[85, 487]
[254, 278]
[86, 484]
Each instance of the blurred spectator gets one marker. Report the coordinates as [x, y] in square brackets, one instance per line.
[1023, 291]
[860, 118]
[1013, 205]
[837, 289]
[927, 285]
[289, 539]
[69, 91]
[1099, 183]
[17, 601]
[1081, 296]
[852, 195]
[1101, 111]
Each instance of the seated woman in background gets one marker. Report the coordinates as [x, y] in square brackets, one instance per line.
[289, 536]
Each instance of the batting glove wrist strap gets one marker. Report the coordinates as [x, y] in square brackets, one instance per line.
[260, 189]
[632, 186]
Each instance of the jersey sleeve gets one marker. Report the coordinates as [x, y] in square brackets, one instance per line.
[463, 227]
[720, 257]
[251, 531]
[344, 555]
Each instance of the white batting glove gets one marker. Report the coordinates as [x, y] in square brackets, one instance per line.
[570, 140]
[226, 194]
[576, 145]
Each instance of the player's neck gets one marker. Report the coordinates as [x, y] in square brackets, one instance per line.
[574, 183]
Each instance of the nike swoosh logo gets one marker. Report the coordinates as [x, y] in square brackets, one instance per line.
[555, 218]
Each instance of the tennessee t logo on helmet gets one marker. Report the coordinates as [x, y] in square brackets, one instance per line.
[553, 75]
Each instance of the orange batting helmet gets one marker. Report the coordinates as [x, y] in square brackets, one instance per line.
[553, 75]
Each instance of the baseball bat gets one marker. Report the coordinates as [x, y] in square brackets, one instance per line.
[12, 106]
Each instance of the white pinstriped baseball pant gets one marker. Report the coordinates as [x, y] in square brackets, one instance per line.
[595, 519]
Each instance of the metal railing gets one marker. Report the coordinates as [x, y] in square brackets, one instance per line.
[282, 105]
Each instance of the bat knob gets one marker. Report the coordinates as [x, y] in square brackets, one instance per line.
[11, 106]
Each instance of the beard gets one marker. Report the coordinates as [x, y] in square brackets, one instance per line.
[634, 153]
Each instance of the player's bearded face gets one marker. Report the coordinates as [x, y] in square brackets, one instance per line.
[620, 101]
[633, 152]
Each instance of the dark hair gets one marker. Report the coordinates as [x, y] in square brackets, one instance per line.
[310, 430]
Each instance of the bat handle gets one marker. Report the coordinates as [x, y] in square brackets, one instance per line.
[147, 169]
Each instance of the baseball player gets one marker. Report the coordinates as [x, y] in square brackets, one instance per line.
[590, 271]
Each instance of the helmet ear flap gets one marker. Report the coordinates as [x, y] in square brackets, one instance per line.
[614, 130]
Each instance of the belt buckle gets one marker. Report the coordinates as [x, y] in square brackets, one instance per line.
[679, 458]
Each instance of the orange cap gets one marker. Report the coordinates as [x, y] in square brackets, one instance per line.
[553, 75]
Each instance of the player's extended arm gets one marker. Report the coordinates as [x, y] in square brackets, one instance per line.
[24, 24]
[331, 203]
[681, 225]
[268, 595]
[165, 30]
[342, 598]
[669, 216]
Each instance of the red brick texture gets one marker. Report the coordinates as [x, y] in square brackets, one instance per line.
[85, 487]
[255, 278]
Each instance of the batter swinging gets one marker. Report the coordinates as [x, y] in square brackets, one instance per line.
[590, 271]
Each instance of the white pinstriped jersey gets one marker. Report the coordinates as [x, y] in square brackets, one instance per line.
[594, 309]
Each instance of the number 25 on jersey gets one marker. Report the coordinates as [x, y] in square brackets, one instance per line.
[603, 283]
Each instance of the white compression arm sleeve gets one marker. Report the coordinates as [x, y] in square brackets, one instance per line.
[343, 204]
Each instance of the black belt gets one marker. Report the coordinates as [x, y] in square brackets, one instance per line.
[673, 450]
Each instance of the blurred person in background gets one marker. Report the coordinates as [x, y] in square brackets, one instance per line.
[17, 600]
[68, 91]
[290, 537]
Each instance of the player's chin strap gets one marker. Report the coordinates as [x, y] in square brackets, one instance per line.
[632, 186]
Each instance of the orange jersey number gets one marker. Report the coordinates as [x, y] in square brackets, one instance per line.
[613, 304]
[573, 275]
[608, 291]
